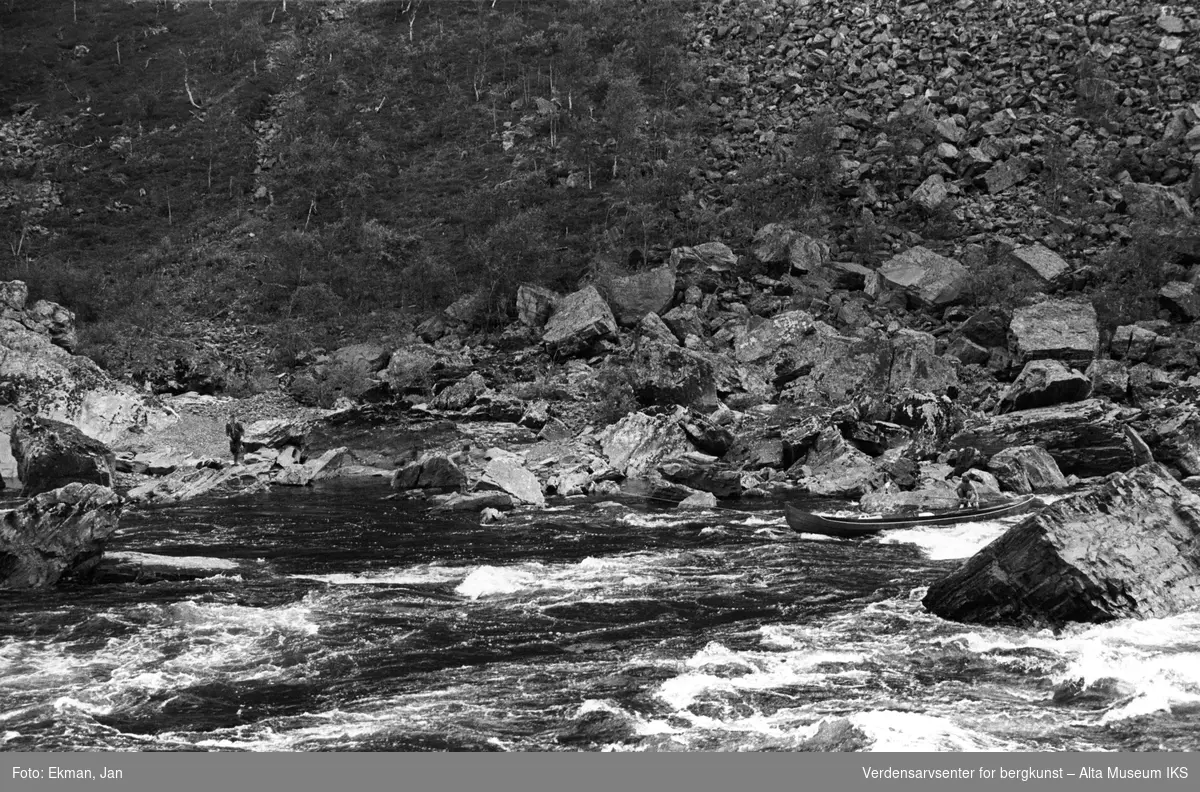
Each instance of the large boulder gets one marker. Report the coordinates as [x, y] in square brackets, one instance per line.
[213, 481]
[506, 472]
[670, 374]
[1041, 262]
[51, 454]
[916, 365]
[828, 367]
[461, 394]
[434, 472]
[776, 243]
[277, 433]
[759, 338]
[324, 466]
[581, 319]
[13, 296]
[8, 463]
[53, 321]
[56, 535]
[44, 379]
[1133, 343]
[1109, 378]
[1056, 329]
[535, 304]
[1181, 299]
[1026, 469]
[1130, 548]
[838, 469]
[367, 358]
[1043, 383]
[929, 279]
[637, 443]
[1086, 438]
[708, 257]
[1172, 432]
[634, 296]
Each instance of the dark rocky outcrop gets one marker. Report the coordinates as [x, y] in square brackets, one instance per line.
[1086, 438]
[1043, 383]
[1130, 548]
[669, 374]
[435, 472]
[52, 454]
[633, 296]
[56, 535]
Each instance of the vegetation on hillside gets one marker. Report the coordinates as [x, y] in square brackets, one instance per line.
[310, 169]
[310, 173]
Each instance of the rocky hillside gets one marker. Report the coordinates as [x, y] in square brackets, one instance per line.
[1071, 124]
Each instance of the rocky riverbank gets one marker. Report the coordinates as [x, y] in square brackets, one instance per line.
[879, 369]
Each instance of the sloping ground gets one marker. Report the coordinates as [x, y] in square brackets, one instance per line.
[1034, 113]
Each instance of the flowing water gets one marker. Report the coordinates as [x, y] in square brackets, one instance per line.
[332, 619]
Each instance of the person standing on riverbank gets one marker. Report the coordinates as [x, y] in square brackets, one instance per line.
[235, 430]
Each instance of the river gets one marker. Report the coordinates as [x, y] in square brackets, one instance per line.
[333, 619]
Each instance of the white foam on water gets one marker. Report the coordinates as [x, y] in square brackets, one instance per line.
[891, 730]
[949, 542]
[175, 562]
[216, 616]
[422, 574]
[1156, 660]
[66, 703]
[634, 570]
[171, 647]
[641, 520]
[763, 671]
[488, 580]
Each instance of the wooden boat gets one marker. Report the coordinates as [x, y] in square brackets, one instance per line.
[849, 527]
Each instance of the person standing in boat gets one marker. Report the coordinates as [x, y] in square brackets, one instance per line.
[234, 430]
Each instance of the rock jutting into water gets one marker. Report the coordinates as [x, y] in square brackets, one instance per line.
[56, 535]
[52, 454]
[1130, 548]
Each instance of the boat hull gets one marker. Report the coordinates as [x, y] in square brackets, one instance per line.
[805, 522]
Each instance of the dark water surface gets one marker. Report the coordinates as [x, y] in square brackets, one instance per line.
[341, 621]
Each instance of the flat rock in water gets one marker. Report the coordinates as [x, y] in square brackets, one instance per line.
[1129, 549]
[476, 501]
[507, 474]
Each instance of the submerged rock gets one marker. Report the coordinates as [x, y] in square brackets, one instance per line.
[56, 535]
[1131, 548]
